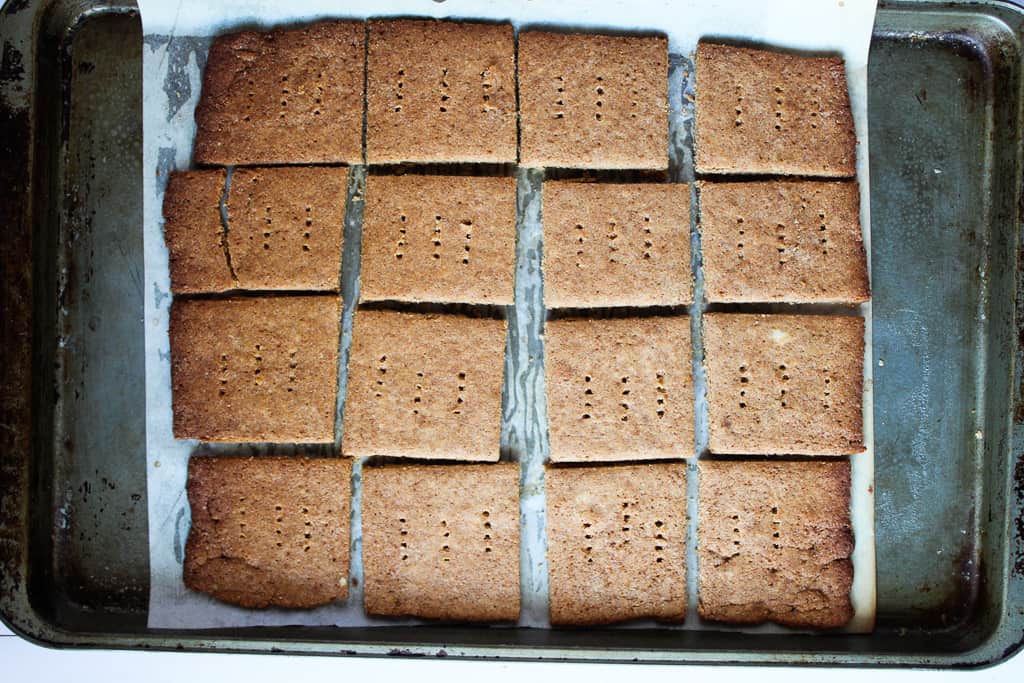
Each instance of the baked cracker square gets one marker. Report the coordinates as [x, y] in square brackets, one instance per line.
[617, 543]
[285, 226]
[194, 234]
[760, 111]
[792, 241]
[619, 389]
[593, 101]
[440, 91]
[424, 385]
[255, 369]
[442, 541]
[287, 96]
[774, 542]
[269, 531]
[784, 384]
[616, 244]
[429, 238]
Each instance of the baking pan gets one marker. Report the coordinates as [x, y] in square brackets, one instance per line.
[945, 119]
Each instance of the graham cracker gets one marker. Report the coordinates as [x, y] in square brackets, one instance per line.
[424, 386]
[775, 542]
[285, 227]
[593, 101]
[255, 369]
[784, 384]
[616, 244]
[768, 112]
[269, 531]
[619, 389]
[288, 96]
[442, 541]
[194, 234]
[440, 91]
[793, 241]
[439, 239]
[617, 543]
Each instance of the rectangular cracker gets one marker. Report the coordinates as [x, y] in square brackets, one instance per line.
[194, 234]
[619, 389]
[775, 542]
[439, 239]
[440, 91]
[617, 543]
[285, 227]
[269, 531]
[616, 244]
[255, 369]
[424, 386]
[792, 241]
[442, 541]
[760, 111]
[784, 384]
[287, 96]
[593, 101]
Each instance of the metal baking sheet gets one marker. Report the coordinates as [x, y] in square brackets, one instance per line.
[944, 95]
[169, 129]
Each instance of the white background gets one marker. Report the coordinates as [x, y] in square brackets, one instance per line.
[22, 661]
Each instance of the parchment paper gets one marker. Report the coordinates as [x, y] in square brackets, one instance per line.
[176, 39]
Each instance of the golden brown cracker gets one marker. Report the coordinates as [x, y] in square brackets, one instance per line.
[760, 111]
[792, 241]
[255, 369]
[616, 244]
[440, 91]
[285, 227]
[593, 101]
[774, 542]
[424, 386]
[287, 96]
[269, 531]
[447, 239]
[194, 233]
[619, 389]
[442, 541]
[784, 384]
[617, 543]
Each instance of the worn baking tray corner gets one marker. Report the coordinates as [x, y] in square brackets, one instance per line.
[945, 107]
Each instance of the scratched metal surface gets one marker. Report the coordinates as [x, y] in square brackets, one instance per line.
[945, 108]
[933, 323]
[99, 335]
